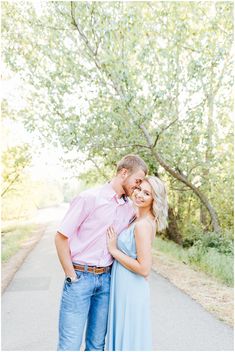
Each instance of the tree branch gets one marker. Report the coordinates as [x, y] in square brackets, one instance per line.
[98, 168]
[128, 146]
[182, 178]
[10, 184]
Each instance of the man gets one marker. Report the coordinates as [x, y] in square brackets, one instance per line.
[82, 250]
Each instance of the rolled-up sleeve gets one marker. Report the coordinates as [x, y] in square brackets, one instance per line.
[78, 211]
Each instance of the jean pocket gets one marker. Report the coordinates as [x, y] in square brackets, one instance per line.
[79, 275]
[79, 278]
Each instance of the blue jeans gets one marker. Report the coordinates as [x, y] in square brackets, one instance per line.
[86, 300]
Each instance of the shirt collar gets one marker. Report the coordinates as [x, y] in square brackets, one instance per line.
[120, 200]
[109, 193]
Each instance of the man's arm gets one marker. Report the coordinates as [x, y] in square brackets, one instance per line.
[63, 251]
[77, 213]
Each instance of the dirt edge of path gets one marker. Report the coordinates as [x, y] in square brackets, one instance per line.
[10, 268]
[214, 296]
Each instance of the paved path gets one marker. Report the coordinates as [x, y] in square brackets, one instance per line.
[31, 302]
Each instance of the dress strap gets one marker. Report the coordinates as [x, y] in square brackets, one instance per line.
[134, 217]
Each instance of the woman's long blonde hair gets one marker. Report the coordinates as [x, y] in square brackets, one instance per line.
[160, 205]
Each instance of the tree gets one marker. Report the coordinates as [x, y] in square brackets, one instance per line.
[14, 161]
[119, 78]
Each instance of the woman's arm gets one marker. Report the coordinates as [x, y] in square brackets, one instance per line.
[143, 238]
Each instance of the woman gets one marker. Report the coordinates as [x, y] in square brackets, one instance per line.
[129, 325]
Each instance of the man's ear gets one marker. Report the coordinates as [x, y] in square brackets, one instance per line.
[124, 172]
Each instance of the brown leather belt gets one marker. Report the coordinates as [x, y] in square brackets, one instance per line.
[92, 269]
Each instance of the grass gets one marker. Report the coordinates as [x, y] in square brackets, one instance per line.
[209, 260]
[218, 265]
[13, 237]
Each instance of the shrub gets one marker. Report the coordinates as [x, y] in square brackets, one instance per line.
[223, 242]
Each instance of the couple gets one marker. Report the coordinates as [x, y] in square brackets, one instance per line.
[112, 299]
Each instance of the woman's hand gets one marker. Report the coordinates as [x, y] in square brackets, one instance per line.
[111, 240]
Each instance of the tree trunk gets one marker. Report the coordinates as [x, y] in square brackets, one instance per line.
[203, 217]
[182, 178]
[172, 231]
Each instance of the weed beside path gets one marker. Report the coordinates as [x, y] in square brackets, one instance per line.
[14, 236]
[215, 262]
[17, 242]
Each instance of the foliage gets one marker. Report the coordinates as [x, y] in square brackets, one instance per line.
[96, 71]
[214, 240]
[14, 161]
[223, 243]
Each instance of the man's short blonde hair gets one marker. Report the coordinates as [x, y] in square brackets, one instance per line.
[132, 163]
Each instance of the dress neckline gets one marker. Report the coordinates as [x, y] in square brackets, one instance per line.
[134, 222]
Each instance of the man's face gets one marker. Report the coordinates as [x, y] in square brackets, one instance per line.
[133, 181]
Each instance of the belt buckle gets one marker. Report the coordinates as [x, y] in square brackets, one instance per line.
[98, 271]
[94, 270]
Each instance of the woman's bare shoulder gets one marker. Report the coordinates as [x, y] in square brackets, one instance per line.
[144, 226]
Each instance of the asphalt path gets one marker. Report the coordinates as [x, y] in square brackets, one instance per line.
[30, 306]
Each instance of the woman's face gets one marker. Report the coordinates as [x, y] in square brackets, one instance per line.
[142, 196]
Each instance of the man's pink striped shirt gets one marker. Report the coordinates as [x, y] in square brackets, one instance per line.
[87, 220]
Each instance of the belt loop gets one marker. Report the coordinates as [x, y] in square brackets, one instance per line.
[86, 267]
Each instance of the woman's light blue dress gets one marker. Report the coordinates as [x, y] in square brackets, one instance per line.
[129, 326]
